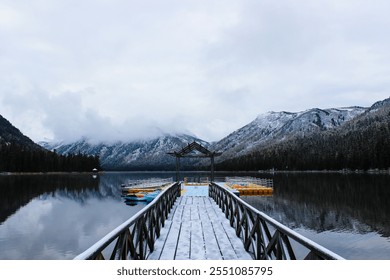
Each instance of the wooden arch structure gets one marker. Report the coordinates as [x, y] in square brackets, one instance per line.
[200, 152]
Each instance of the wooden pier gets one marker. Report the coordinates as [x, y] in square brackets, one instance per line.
[201, 223]
[197, 229]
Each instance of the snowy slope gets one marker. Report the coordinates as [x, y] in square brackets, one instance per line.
[267, 128]
[10, 134]
[272, 127]
[143, 154]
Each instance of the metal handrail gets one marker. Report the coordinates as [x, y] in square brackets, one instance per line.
[264, 237]
[134, 239]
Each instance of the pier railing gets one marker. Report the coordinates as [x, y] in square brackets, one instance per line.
[134, 239]
[262, 236]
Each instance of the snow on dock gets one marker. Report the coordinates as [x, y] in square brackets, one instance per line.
[196, 229]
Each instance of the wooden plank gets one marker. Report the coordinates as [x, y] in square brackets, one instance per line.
[202, 201]
[208, 201]
[165, 245]
[198, 250]
[195, 212]
[177, 217]
[189, 200]
[211, 213]
[171, 243]
[183, 200]
[212, 250]
[174, 208]
[231, 247]
[197, 229]
[160, 242]
[186, 213]
[184, 242]
[224, 245]
[231, 242]
[235, 242]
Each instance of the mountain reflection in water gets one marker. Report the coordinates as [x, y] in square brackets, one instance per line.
[348, 214]
[60, 215]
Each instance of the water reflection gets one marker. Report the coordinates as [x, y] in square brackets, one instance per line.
[17, 191]
[342, 199]
[135, 203]
[335, 210]
[58, 216]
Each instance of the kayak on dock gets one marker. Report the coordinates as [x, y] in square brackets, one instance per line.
[142, 196]
[145, 186]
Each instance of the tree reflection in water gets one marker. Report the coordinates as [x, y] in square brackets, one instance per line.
[317, 204]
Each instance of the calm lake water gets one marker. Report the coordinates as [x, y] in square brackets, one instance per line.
[59, 216]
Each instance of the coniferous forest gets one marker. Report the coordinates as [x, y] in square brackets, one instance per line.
[17, 158]
[361, 144]
[18, 153]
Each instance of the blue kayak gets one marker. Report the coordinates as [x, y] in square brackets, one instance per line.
[142, 196]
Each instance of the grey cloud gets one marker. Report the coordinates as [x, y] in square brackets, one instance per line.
[123, 69]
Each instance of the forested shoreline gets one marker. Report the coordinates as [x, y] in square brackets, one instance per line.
[19, 158]
[361, 144]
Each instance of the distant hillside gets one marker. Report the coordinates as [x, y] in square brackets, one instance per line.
[148, 154]
[18, 153]
[10, 134]
[275, 127]
[360, 143]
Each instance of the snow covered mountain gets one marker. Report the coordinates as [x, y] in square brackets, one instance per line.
[362, 143]
[134, 155]
[274, 127]
[267, 128]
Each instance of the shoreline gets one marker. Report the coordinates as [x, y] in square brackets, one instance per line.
[343, 171]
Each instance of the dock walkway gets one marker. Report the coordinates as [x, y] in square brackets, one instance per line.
[196, 229]
[184, 223]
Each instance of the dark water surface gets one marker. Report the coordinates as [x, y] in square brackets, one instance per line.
[59, 216]
[348, 214]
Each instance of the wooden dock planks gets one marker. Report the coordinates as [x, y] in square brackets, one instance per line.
[197, 229]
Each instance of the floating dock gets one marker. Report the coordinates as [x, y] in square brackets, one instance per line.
[250, 186]
[252, 189]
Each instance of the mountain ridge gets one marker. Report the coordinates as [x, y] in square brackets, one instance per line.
[267, 128]
[272, 127]
[10, 134]
[361, 143]
[18, 153]
[149, 154]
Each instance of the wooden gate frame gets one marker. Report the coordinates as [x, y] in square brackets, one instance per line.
[186, 152]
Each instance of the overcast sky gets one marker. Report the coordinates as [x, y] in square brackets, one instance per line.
[123, 69]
